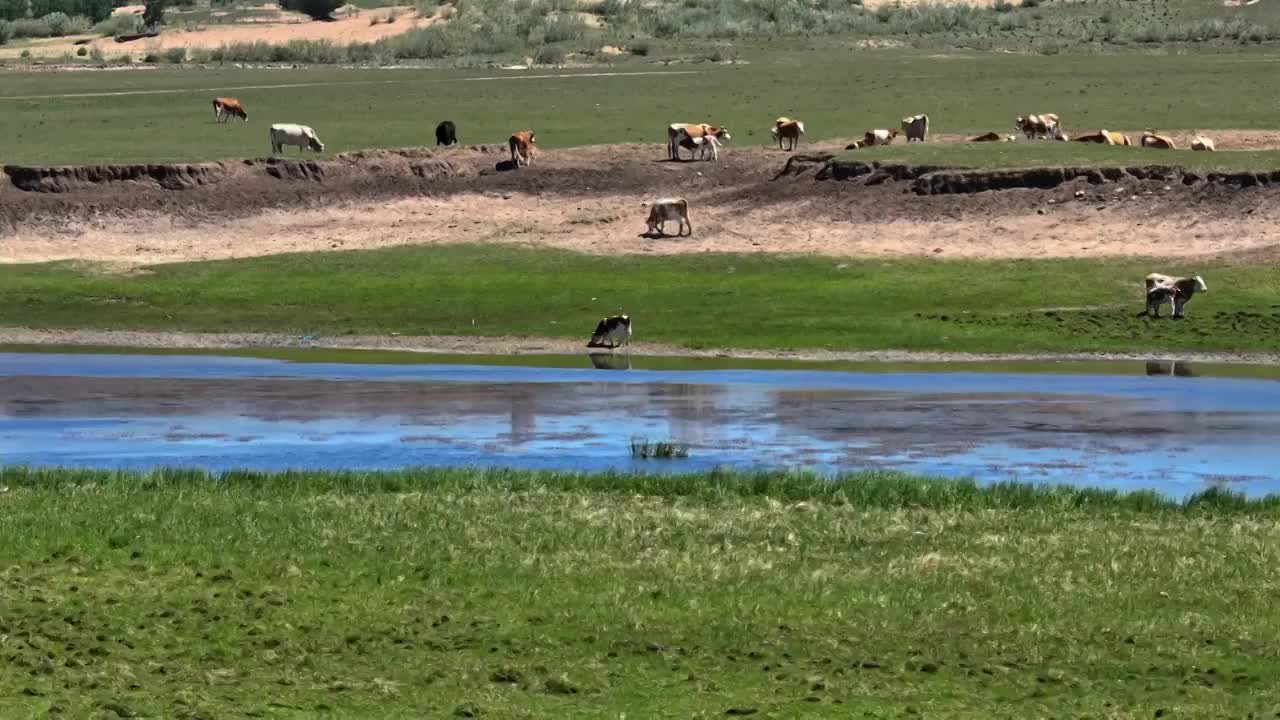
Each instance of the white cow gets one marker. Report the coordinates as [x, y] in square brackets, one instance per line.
[669, 209]
[290, 134]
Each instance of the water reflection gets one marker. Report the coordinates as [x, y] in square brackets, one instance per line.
[1138, 431]
[1176, 368]
[610, 361]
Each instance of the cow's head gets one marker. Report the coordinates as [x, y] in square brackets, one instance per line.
[1200, 286]
[719, 133]
[1020, 122]
[314, 143]
[239, 112]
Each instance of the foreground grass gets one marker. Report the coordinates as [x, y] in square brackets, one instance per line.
[983, 156]
[517, 595]
[849, 304]
[62, 118]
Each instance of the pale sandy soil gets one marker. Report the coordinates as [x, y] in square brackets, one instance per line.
[611, 225]
[276, 29]
[550, 346]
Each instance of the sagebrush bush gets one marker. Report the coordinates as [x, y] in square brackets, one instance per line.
[117, 25]
[316, 9]
[6, 31]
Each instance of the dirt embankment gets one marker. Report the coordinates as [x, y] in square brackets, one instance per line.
[590, 200]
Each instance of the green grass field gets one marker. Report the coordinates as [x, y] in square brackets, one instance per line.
[694, 301]
[65, 118]
[509, 595]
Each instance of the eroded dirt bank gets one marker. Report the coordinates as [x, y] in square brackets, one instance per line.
[590, 199]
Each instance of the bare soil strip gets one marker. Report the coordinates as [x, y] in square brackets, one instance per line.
[551, 346]
[591, 200]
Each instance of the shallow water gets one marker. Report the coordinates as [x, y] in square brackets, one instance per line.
[1166, 431]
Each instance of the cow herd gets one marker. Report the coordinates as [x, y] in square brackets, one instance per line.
[704, 140]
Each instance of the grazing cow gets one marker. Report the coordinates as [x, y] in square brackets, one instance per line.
[1177, 291]
[290, 134]
[446, 133]
[1161, 142]
[1043, 126]
[614, 330]
[521, 144]
[676, 132]
[225, 108]
[1200, 142]
[787, 129]
[669, 209]
[993, 137]
[879, 136]
[916, 128]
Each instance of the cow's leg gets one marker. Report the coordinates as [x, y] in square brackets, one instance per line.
[689, 225]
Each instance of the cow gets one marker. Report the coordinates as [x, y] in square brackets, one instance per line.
[1105, 137]
[669, 209]
[521, 144]
[1200, 142]
[1161, 142]
[1043, 126]
[993, 137]
[225, 108]
[916, 128]
[446, 134]
[614, 330]
[879, 136]
[290, 134]
[1177, 291]
[787, 129]
[692, 131]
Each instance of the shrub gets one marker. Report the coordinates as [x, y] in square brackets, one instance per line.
[1030, 3]
[6, 31]
[95, 10]
[549, 55]
[153, 13]
[315, 9]
[563, 28]
[11, 10]
[151, 57]
[31, 28]
[175, 55]
[640, 48]
[82, 51]
[119, 25]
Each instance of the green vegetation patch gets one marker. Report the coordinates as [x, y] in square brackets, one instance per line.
[518, 595]
[751, 301]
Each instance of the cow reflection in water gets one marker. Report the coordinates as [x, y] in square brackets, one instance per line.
[610, 361]
[1176, 368]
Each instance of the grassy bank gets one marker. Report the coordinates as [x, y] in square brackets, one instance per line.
[790, 303]
[63, 118]
[515, 595]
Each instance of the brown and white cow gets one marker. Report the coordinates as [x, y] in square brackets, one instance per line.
[879, 136]
[521, 144]
[787, 129]
[669, 209]
[1161, 142]
[1045, 126]
[225, 108]
[691, 134]
[916, 128]
[1203, 143]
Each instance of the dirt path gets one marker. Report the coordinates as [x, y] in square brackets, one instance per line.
[550, 346]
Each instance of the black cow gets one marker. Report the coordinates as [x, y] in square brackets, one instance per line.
[446, 133]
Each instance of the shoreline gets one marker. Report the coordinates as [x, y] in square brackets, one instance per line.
[515, 346]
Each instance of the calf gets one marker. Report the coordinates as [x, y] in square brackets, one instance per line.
[521, 144]
[446, 133]
[290, 134]
[1043, 126]
[225, 108]
[669, 209]
[699, 146]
